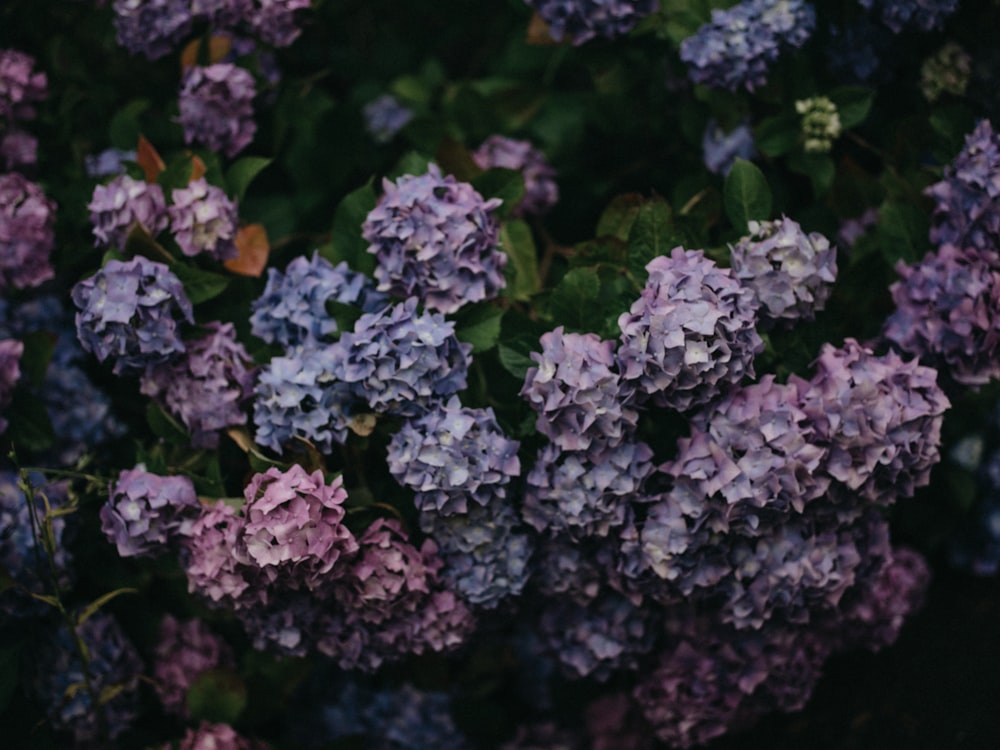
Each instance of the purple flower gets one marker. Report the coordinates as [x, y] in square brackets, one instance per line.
[275, 21]
[183, 652]
[853, 229]
[579, 21]
[920, 15]
[204, 220]
[121, 204]
[385, 116]
[435, 238]
[145, 511]
[738, 46]
[568, 570]
[218, 569]
[216, 107]
[540, 189]
[110, 161]
[690, 335]
[790, 272]
[720, 148]
[151, 27]
[209, 736]
[20, 86]
[10, 372]
[208, 386]
[577, 394]
[27, 233]
[453, 455]
[128, 311]
[948, 312]
[400, 362]
[292, 309]
[18, 150]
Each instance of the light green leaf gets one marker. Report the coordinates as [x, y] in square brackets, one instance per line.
[242, 173]
[91, 609]
[747, 195]
[480, 326]
[650, 236]
[347, 242]
[522, 270]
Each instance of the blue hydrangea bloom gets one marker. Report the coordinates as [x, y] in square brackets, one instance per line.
[579, 21]
[720, 148]
[385, 116]
[918, 15]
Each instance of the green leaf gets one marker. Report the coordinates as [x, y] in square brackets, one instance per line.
[348, 244]
[165, 426]
[902, 232]
[200, 286]
[50, 600]
[411, 163]
[217, 696]
[522, 270]
[141, 242]
[819, 168]
[776, 136]
[651, 235]
[619, 216]
[124, 129]
[242, 173]
[574, 301]
[91, 609]
[853, 104]
[38, 349]
[345, 315]
[28, 423]
[746, 195]
[479, 325]
[505, 184]
[177, 175]
[514, 354]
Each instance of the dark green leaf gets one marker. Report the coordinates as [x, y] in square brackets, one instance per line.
[177, 175]
[124, 127]
[412, 163]
[522, 270]
[479, 325]
[514, 355]
[348, 244]
[217, 696]
[345, 315]
[619, 216]
[775, 136]
[165, 426]
[38, 348]
[746, 194]
[651, 235]
[505, 184]
[902, 232]
[28, 423]
[242, 173]
[853, 104]
[140, 242]
[200, 286]
[574, 301]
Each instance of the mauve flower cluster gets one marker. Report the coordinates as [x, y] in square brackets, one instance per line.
[185, 650]
[117, 207]
[385, 116]
[292, 310]
[113, 670]
[738, 46]
[436, 239]
[720, 148]
[128, 312]
[210, 736]
[152, 27]
[579, 21]
[948, 312]
[10, 372]
[27, 233]
[540, 189]
[967, 200]
[107, 163]
[18, 149]
[144, 511]
[790, 272]
[451, 456]
[208, 386]
[216, 107]
[690, 335]
[204, 220]
[21, 86]
[920, 15]
[276, 21]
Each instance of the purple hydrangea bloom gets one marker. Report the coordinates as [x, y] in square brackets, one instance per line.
[453, 455]
[222, 14]
[184, 651]
[145, 511]
[275, 21]
[109, 162]
[738, 46]
[128, 311]
[208, 386]
[920, 15]
[720, 148]
[121, 204]
[585, 493]
[967, 200]
[790, 272]
[579, 21]
[576, 392]
[10, 372]
[948, 312]
[114, 665]
[853, 229]
[691, 333]
[385, 116]
[152, 27]
[218, 568]
[216, 107]
[80, 412]
[567, 570]
[209, 736]
[881, 418]
[292, 309]
[435, 238]
[401, 362]
[204, 220]
[298, 396]
[18, 149]
[27, 233]
[540, 189]
[21, 86]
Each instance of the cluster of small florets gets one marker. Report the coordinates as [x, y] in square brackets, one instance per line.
[820, 123]
[385, 116]
[216, 107]
[211, 736]
[10, 372]
[790, 272]
[146, 511]
[720, 148]
[436, 239]
[690, 335]
[152, 27]
[123, 203]
[579, 21]
[947, 71]
[540, 189]
[107, 163]
[947, 312]
[27, 233]
[185, 650]
[129, 312]
[204, 220]
[738, 46]
[21, 86]
[919, 15]
[206, 387]
[967, 200]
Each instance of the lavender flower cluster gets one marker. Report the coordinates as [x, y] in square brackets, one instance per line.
[540, 189]
[216, 107]
[27, 233]
[579, 21]
[184, 651]
[21, 87]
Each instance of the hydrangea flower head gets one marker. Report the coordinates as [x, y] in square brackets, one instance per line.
[385, 116]
[145, 511]
[691, 334]
[185, 650]
[947, 71]
[151, 27]
[128, 312]
[107, 163]
[540, 189]
[124, 202]
[720, 148]
[27, 233]
[18, 149]
[790, 272]
[276, 21]
[204, 220]
[21, 86]
[216, 107]
[217, 566]
[948, 312]
[435, 238]
[920, 15]
[579, 21]
[207, 386]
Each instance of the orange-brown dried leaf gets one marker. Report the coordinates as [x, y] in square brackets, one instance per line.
[218, 47]
[147, 157]
[251, 241]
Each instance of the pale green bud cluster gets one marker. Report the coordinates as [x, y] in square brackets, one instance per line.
[820, 123]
